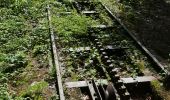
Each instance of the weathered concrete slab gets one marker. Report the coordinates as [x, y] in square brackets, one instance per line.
[89, 12]
[84, 83]
[142, 79]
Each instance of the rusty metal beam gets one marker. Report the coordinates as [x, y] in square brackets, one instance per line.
[142, 79]
[55, 56]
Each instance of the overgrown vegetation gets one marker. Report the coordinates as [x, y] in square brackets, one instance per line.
[72, 25]
[160, 90]
[24, 48]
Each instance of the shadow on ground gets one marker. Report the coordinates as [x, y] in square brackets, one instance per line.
[152, 25]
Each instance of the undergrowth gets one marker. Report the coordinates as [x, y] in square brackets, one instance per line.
[24, 48]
